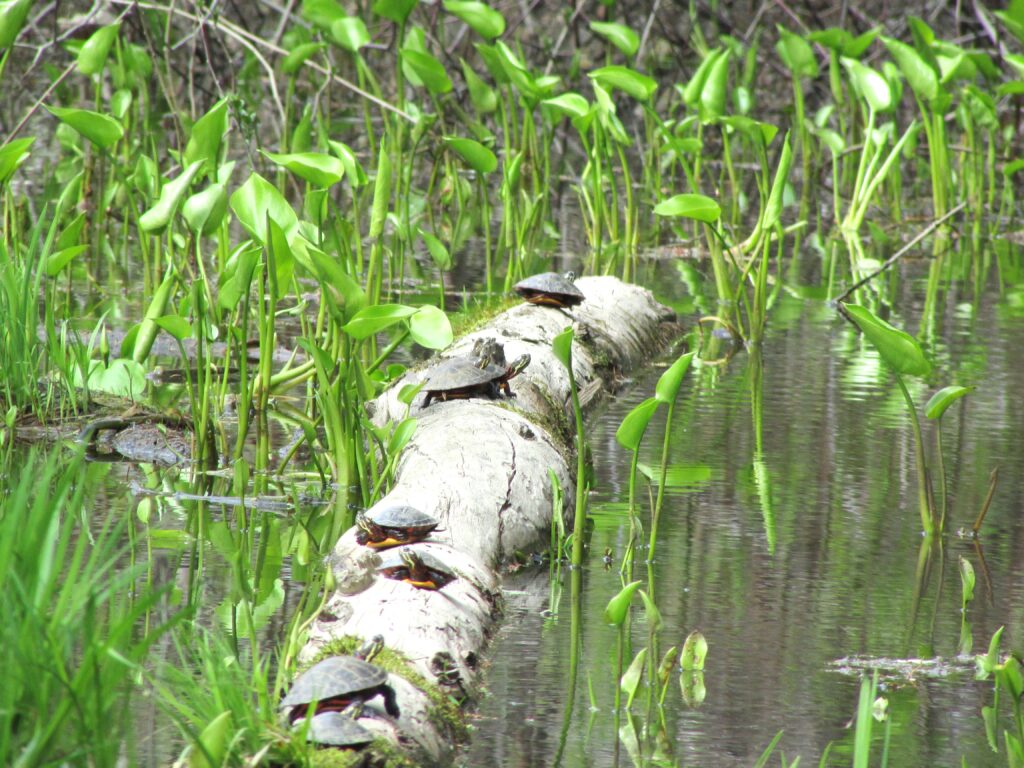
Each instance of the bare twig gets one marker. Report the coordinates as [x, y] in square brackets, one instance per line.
[902, 251]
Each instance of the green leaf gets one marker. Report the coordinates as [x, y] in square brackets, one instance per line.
[898, 349]
[941, 400]
[121, 377]
[690, 206]
[695, 651]
[204, 211]
[571, 104]
[923, 80]
[618, 607]
[371, 320]
[281, 259]
[619, 35]
[630, 682]
[631, 430]
[175, 325]
[381, 193]
[967, 580]
[438, 252]
[56, 261]
[481, 18]
[157, 218]
[430, 327]
[92, 56]
[870, 85]
[237, 277]
[13, 155]
[255, 200]
[773, 208]
[102, 130]
[350, 33]
[796, 53]
[395, 10]
[298, 56]
[318, 169]
[695, 87]
[353, 170]
[401, 436]
[561, 345]
[677, 476]
[651, 611]
[670, 381]
[713, 97]
[428, 69]
[214, 740]
[12, 19]
[207, 137]
[322, 13]
[484, 99]
[477, 156]
[640, 87]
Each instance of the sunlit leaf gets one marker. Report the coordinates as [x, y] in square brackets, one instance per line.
[401, 436]
[157, 218]
[922, 78]
[898, 349]
[941, 400]
[773, 208]
[571, 104]
[480, 17]
[57, 260]
[102, 130]
[631, 678]
[640, 87]
[175, 325]
[690, 206]
[618, 607]
[12, 19]
[318, 169]
[967, 579]
[561, 345]
[429, 327]
[870, 85]
[350, 33]
[713, 96]
[631, 430]
[255, 200]
[619, 35]
[374, 319]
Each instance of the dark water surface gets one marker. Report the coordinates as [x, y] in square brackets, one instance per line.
[792, 560]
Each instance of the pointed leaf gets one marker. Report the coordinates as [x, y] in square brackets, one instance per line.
[13, 155]
[631, 431]
[651, 610]
[92, 56]
[204, 211]
[350, 33]
[630, 682]
[941, 400]
[670, 381]
[477, 156]
[870, 85]
[395, 10]
[255, 200]
[618, 607]
[561, 345]
[690, 206]
[571, 104]
[318, 169]
[640, 87]
[713, 96]
[619, 35]
[102, 130]
[175, 325]
[156, 219]
[796, 53]
[923, 80]
[371, 320]
[898, 349]
[428, 69]
[481, 18]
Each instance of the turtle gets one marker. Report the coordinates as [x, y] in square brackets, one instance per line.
[335, 683]
[393, 525]
[334, 729]
[550, 289]
[459, 378]
[422, 570]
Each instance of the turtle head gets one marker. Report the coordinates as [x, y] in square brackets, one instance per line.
[518, 366]
[570, 276]
[367, 651]
[411, 560]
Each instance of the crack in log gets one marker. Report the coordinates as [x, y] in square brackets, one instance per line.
[507, 503]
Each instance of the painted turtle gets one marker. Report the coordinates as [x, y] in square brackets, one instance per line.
[421, 570]
[393, 525]
[336, 683]
[461, 377]
[550, 289]
[334, 729]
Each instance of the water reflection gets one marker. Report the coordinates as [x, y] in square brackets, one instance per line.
[801, 546]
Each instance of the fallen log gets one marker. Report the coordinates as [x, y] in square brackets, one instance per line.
[485, 469]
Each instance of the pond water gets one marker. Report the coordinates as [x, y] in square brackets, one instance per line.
[792, 559]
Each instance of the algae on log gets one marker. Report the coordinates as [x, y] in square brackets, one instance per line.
[482, 468]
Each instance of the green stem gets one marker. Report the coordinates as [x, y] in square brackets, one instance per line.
[927, 518]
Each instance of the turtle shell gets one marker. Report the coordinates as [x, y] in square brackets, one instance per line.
[333, 729]
[402, 517]
[459, 373]
[549, 288]
[340, 677]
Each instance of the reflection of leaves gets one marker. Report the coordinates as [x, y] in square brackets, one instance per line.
[692, 686]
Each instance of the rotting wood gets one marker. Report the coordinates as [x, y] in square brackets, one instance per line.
[483, 468]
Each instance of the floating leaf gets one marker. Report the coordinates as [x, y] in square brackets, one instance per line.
[102, 130]
[631, 431]
[941, 400]
[430, 328]
[619, 35]
[318, 169]
[481, 18]
[617, 608]
[898, 349]
[477, 156]
[690, 206]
